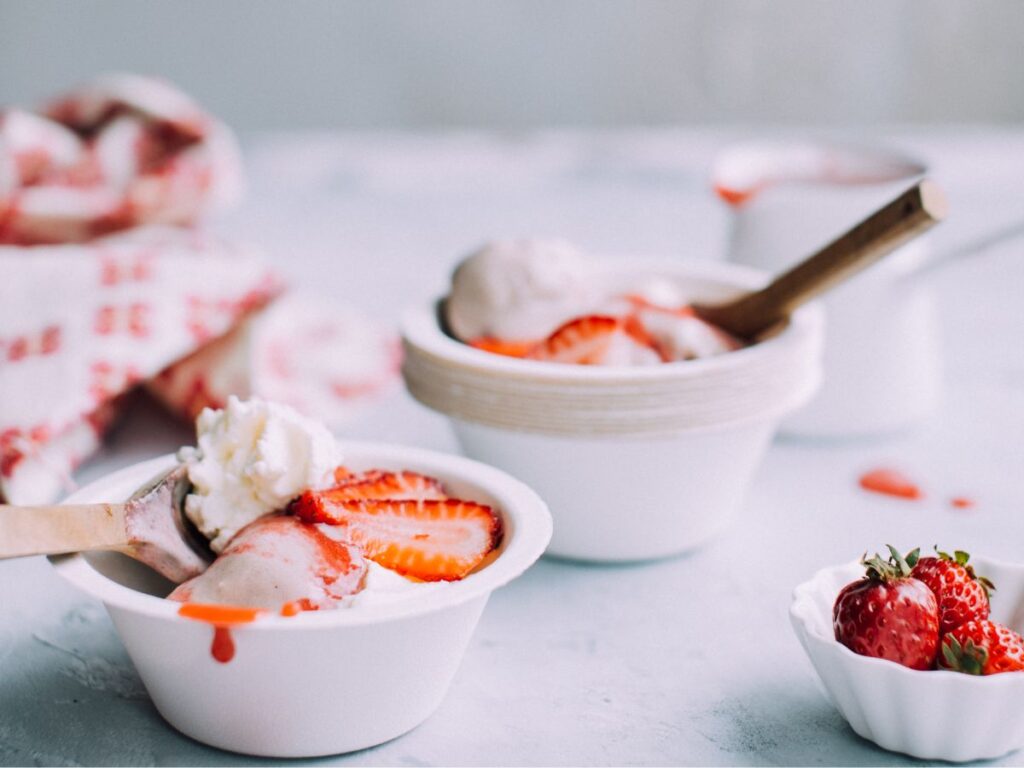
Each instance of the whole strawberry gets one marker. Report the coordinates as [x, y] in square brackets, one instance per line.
[962, 594]
[982, 648]
[889, 614]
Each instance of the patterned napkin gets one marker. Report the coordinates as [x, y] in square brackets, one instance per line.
[82, 324]
[98, 294]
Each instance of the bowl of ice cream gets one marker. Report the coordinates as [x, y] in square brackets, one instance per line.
[646, 448]
[307, 635]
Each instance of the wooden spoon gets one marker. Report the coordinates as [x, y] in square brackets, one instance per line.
[879, 234]
[150, 527]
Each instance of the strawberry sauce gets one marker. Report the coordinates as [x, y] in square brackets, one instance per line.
[223, 646]
[221, 618]
[890, 482]
[734, 197]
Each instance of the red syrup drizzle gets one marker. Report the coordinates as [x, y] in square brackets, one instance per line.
[890, 482]
[223, 646]
[221, 618]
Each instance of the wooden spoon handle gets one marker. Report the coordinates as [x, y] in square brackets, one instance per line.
[58, 529]
[882, 232]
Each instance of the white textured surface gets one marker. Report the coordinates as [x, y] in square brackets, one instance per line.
[689, 660]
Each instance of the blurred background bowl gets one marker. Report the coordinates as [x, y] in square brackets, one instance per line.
[635, 463]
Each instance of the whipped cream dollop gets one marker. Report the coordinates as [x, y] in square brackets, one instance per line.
[253, 457]
[520, 289]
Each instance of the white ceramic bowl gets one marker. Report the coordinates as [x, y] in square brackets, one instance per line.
[635, 463]
[933, 715]
[317, 683]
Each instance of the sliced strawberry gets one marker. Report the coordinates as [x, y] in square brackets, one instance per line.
[503, 346]
[583, 340]
[429, 540]
[378, 484]
[597, 340]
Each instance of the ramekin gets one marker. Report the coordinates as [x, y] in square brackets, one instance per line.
[932, 715]
[635, 463]
[317, 683]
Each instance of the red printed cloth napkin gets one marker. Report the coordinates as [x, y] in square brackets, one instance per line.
[86, 315]
[82, 324]
[120, 152]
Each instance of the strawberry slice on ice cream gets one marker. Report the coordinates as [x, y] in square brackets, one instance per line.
[379, 484]
[597, 340]
[503, 346]
[426, 539]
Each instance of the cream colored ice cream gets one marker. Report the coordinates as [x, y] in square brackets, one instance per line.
[252, 458]
[279, 561]
[520, 289]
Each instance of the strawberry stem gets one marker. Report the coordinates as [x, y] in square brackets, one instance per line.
[896, 567]
[970, 659]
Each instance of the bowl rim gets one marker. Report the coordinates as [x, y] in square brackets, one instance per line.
[803, 604]
[904, 165]
[421, 329]
[526, 540]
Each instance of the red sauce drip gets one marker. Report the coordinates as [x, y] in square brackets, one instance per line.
[891, 483]
[225, 615]
[222, 618]
[223, 647]
[961, 502]
[296, 607]
[735, 197]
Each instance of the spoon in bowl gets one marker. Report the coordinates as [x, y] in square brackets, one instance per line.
[150, 527]
[896, 223]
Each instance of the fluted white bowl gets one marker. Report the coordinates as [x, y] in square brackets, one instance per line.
[933, 715]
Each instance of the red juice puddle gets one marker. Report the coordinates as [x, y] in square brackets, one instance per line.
[962, 502]
[221, 618]
[890, 482]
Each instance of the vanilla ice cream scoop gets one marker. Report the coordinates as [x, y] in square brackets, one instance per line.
[252, 458]
[520, 289]
[278, 560]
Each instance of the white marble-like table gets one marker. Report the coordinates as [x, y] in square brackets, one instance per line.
[685, 661]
